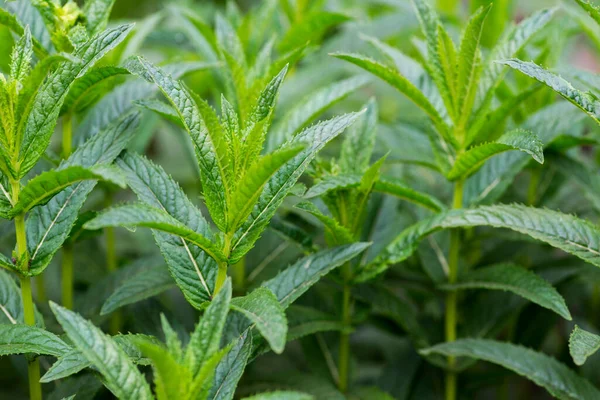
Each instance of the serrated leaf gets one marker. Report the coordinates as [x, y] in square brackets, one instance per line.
[332, 182]
[586, 101]
[211, 150]
[11, 22]
[83, 90]
[468, 162]
[41, 118]
[515, 279]
[97, 13]
[338, 233]
[193, 270]
[73, 361]
[307, 110]
[11, 303]
[21, 339]
[206, 338]
[46, 185]
[150, 282]
[230, 369]
[275, 191]
[566, 232]
[401, 190]
[263, 309]
[141, 214]
[359, 142]
[591, 9]
[49, 225]
[543, 370]
[582, 344]
[120, 375]
[20, 60]
[252, 183]
[296, 279]
[399, 82]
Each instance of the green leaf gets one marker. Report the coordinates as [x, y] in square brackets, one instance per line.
[48, 226]
[20, 60]
[566, 232]
[582, 344]
[211, 149]
[359, 142]
[11, 22]
[509, 47]
[41, 117]
[97, 13]
[308, 109]
[281, 395]
[399, 189]
[73, 361]
[275, 191]
[468, 162]
[162, 109]
[592, 9]
[544, 371]
[586, 101]
[86, 89]
[141, 214]
[338, 234]
[21, 339]
[230, 369]
[330, 183]
[310, 29]
[515, 279]
[11, 303]
[296, 279]
[468, 65]
[46, 185]
[252, 183]
[263, 309]
[120, 375]
[206, 338]
[141, 286]
[399, 82]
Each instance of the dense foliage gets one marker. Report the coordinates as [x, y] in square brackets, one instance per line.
[322, 200]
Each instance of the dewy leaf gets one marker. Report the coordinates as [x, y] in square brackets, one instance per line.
[277, 188]
[141, 214]
[97, 13]
[582, 344]
[46, 105]
[543, 370]
[263, 309]
[313, 105]
[517, 280]
[205, 340]
[150, 282]
[193, 270]
[46, 185]
[120, 374]
[296, 279]
[21, 339]
[211, 150]
[230, 369]
[256, 177]
[399, 189]
[468, 162]
[48, 226]
[566, 232]
[586, 101]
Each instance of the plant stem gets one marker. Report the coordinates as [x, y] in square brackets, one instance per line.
[67, 277]
[239, 275]
[451, 298]
[221, 277]
[344, 355]
[33, 367]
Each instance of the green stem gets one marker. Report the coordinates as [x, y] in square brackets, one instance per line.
[451, 298]
[221, 277]
[67, 277]
[239, 275]
[344, 356]
[33, 367]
